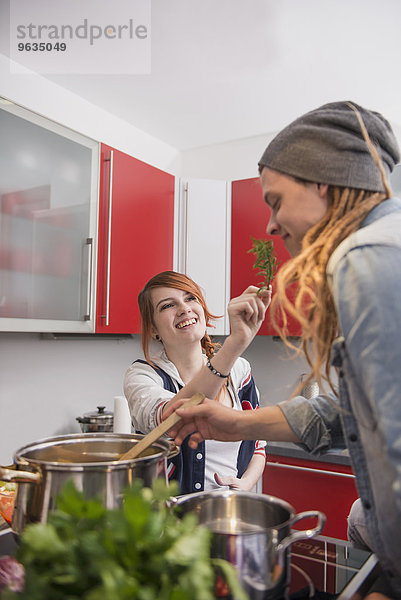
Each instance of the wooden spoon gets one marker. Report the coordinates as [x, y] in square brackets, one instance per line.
[160, 430]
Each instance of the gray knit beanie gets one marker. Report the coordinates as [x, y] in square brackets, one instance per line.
[326, 145]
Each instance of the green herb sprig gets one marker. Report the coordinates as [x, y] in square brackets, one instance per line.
[141, 551]
[266, 260]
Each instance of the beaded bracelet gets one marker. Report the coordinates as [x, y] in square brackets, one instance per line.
[214, 371]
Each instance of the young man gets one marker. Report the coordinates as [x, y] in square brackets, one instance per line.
[325, 178]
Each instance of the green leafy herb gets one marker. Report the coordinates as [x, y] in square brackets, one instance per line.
[266, 260]
[142, 550]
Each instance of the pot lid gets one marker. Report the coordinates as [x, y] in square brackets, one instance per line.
[99, 416]
[80, 449]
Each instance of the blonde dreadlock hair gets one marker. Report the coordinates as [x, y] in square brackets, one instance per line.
[313, 306]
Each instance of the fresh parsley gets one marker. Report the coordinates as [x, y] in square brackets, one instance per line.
[142, 550]
[266, 260]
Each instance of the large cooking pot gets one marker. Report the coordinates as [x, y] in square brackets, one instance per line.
[90, 460]
[252, 532]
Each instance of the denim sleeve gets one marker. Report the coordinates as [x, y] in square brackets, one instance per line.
[316, 422]
[367, 292]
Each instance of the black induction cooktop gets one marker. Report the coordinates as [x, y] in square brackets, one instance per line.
[326, 568]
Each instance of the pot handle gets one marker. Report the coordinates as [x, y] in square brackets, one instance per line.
[10, 473]
[172, 502]
[305, 533]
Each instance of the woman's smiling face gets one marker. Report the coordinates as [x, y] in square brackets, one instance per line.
[177, 316]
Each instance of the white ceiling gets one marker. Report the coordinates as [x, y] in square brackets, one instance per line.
[230, 69]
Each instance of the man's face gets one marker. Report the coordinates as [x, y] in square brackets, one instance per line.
[295, 207]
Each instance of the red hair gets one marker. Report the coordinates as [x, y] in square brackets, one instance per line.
[179, 281]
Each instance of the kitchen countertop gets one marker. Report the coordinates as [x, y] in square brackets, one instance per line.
[288, 449]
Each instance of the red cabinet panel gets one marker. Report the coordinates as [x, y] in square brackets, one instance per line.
[312, 485]
[250, 215]
[141, 226]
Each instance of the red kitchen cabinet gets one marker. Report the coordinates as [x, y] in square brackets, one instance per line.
[249, 217]
[313, 485]
[136, 229]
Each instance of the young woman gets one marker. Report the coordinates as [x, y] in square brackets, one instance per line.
[325, 179]
[177, 349]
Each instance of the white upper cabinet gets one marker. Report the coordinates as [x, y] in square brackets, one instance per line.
[203, 242]
[48, 224]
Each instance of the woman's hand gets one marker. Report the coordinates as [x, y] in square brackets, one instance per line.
[234, 483]
[246, 314]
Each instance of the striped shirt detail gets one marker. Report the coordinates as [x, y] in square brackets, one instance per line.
[170, 470]
[259, 448]
[244, 382]
[158, 416]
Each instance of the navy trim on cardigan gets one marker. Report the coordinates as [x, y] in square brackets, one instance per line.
[190, 473]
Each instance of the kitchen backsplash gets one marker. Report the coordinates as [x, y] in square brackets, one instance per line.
[46, 383]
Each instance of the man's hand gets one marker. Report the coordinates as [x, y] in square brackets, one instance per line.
[213, 421]
[208, 421]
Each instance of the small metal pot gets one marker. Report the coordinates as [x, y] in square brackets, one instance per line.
[252, 532]
[96, 422]
[91, 460]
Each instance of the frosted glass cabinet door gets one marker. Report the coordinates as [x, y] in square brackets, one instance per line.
[48, 216]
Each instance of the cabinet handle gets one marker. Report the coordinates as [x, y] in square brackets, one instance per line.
[186, 192]
[110, 198]
[88, 315]
[309, 470]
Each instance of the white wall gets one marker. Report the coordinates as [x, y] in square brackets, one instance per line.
[54, 102]
[46, 383]
[232, 160]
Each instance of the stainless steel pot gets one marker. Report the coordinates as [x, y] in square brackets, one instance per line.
[96, 422]
[90, 460]
[252, 532]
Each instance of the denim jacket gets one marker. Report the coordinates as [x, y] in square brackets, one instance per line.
[365, 276]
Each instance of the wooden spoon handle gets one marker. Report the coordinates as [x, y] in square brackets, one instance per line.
[160, 430]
